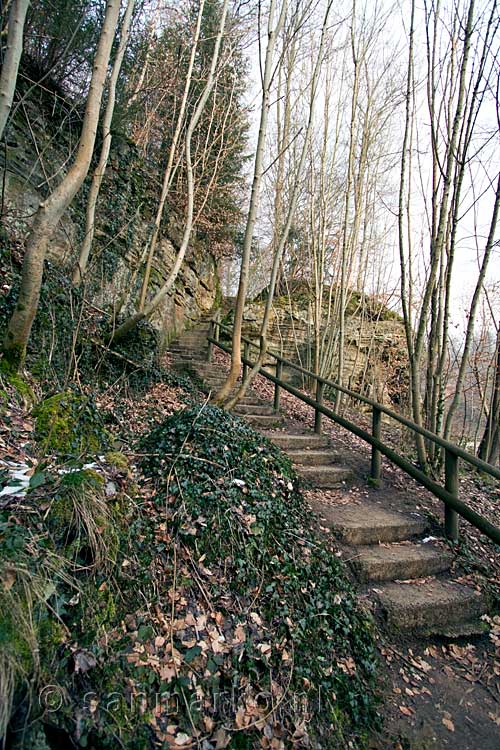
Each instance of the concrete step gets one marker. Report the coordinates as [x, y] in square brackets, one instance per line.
[367, 523]
[429, 606]
[262, 420]
[248, 400]
[264, 410]
[400, 561]
[287, 441]
[182, 364]
[188, 354]
[313, 457]
[327, 477]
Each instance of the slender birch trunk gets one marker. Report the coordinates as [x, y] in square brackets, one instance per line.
[272, 37]
[151, 306]
[289, 218]
[8, 76]
[52, 208]
[97, 178]
[167, 177]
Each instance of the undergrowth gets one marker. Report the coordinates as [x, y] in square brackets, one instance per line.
[230, 500]
[197, 609]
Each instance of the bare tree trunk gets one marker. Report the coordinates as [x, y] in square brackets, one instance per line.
[51, 210]
[79, 270]
[167, 177]
[489, 448]
[290, 215]
[133, 320]
[472, 313]
[272, 36]
[8, 76]
[345, 241]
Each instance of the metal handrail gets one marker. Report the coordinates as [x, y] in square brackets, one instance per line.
[448, 494]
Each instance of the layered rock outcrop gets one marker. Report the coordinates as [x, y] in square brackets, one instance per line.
[37, 152]
[375, 355]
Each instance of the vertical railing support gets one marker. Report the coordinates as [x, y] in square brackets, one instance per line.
[375, 471]
[246, 351]
[216, 329]
[210, 348]
[451, 484]
[277, 388]
[318, 416]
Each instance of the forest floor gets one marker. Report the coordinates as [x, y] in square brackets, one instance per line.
[435, 694]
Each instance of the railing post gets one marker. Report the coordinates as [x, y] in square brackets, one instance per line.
[246, 349]
[451, 484]
[216, 330]
[318, 415]
[210, 348]
[375, 471]
[277, 389]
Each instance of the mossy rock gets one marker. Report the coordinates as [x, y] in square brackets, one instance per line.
[117, 460]
[68, 423]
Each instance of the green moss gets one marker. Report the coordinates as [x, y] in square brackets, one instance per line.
[67, 423]
[117, 459]
[13, 355]
[10, 375]
[12, 637]
[84, 478]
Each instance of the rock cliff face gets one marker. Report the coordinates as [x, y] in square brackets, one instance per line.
[37, 153]
[375, 359]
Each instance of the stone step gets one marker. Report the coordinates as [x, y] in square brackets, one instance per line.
[313, 457]
[182, 364]
[429, 606]
[188, 351]
[264, 410]
[286, 441]
[327, 477]
[400, 561]
[188, 354]
[248, 400]
[367, 523]
[262, 420]
[213, 380]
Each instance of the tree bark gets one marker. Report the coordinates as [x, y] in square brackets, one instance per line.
[51, 210]
[81, 266]
[283, 237]
[148, 309]
[167, 177]
[8, 76]
[272, 36]
[489, 448]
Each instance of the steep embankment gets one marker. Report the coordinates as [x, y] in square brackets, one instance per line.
[172, 593]
[42, 136]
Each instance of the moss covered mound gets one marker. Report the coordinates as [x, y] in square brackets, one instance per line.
[69, 423]
[231, 503]
[223, 621]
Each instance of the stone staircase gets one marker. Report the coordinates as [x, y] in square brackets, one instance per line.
[404, 576]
